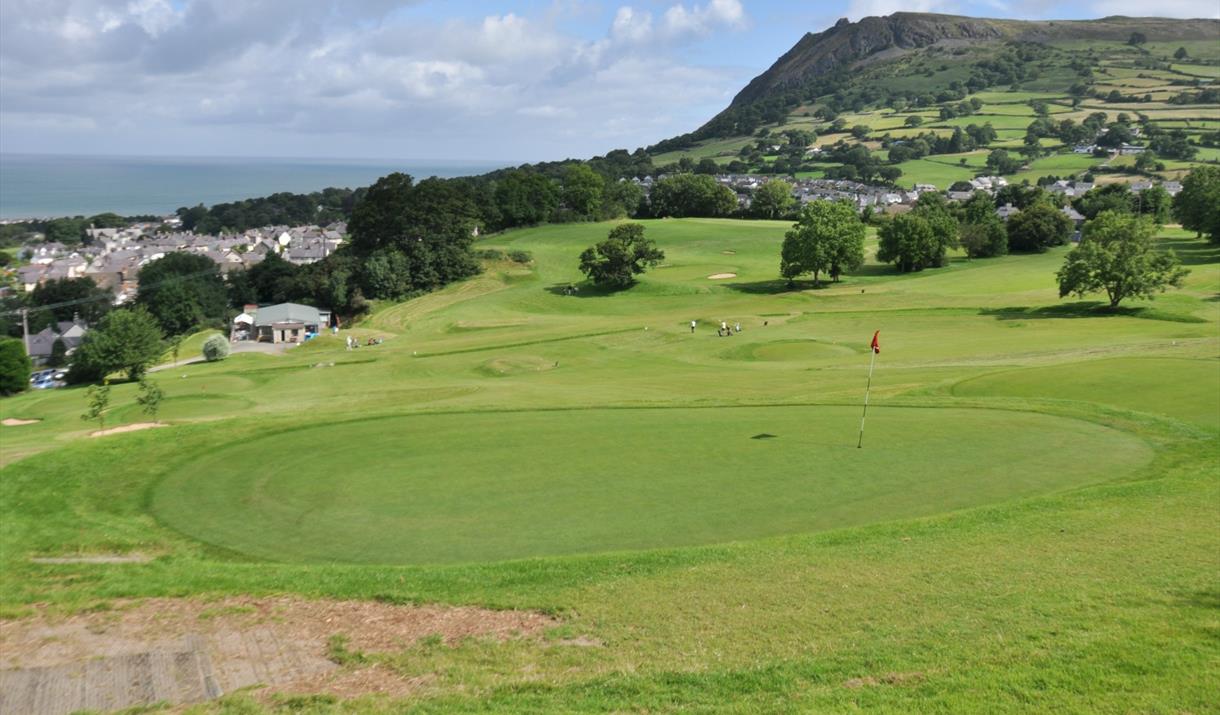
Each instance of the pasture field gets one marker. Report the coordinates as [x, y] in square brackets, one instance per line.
[1010, 113]
[1030, 525]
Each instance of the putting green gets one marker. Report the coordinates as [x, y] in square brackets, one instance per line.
[492, 486]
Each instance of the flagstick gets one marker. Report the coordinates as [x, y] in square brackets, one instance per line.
[872, 361]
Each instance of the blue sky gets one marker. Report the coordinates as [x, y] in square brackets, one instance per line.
[411, 79]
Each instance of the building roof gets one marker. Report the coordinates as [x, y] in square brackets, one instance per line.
[288, 313]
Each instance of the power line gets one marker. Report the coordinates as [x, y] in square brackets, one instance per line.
[107, 298]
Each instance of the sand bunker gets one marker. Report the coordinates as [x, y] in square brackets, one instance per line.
[134, 427]
[721, 276]
[14, 422]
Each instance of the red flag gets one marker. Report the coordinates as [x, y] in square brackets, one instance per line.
[876, 346]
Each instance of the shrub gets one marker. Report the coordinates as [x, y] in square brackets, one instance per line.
[519, 256]
[215, 348]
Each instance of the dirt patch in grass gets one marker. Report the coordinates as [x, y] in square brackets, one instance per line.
[348, 683]
[721, 276]
[134, 427]
[283, 643]
[14, 422]
[93, 559]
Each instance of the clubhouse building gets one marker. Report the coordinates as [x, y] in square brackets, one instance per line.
[281, 323]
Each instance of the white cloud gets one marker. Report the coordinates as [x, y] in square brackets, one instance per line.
[266, 76]
[1162, 8]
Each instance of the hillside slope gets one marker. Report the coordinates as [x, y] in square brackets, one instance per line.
[848, 43]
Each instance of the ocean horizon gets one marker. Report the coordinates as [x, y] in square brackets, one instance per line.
[35, 186]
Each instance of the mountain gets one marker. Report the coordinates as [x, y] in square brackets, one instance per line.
[880, 39]
[923, 59]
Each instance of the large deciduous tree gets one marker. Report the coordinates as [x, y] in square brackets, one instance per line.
[982, 232]
[583, 190]
[1117, 255]
[828, 237]
[72, 298]
[183, 291]
[1197, 205]
[626, 253]
[524, 198]
[1037, 228]
[428, 227]
[691, 195]
[127, 340]
[772, 200]
[920, 238]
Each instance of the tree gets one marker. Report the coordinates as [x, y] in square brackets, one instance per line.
[98, 401]
[524, 198]
[828, 236]
[910, 243]
[215, 348]
[1116, 255]
[127, 339]
[1037, 228]
[59, 354]
[1111, 197]
[86, 302]
[1155, 202]
[14, 366]
[1197, 205]
[860, 131]
[624, 254]
[1137, 38]
[1180, 53]
[707, 165]
[913, 120]
[183, 290]
[622, 198]
[582, 190]
[175, 345]
[999, 162]
[982, 231]
[691, 195]
[149, 397]
[772, 200]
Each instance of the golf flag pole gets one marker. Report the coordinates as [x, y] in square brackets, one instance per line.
[874, 348]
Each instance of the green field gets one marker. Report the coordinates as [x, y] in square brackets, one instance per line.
[1030, 525]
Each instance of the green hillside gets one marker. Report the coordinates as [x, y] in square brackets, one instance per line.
[881, 73]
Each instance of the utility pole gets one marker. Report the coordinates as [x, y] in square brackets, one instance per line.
[25, 329]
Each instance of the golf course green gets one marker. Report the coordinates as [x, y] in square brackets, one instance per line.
[494, 486]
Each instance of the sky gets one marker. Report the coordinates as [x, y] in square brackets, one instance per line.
[410, 79]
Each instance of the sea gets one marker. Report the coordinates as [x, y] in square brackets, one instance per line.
[48, 186]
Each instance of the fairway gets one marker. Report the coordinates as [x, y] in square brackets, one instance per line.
[495, 486]
[1132, 383]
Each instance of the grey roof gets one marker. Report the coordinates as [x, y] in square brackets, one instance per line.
[287, 313]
